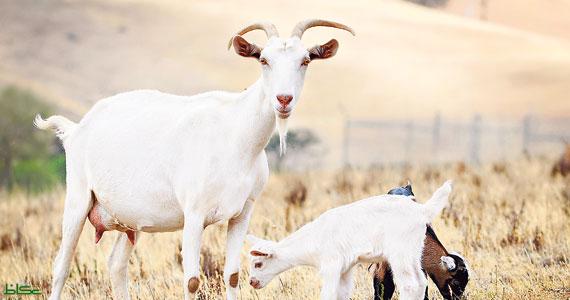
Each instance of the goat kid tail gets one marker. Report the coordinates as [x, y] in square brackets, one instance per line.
[438, 201]
[61, 125]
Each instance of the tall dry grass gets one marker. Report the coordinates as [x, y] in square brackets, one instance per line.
[510, 220]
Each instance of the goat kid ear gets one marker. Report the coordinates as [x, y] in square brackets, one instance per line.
[324, 51]
[244, 48]
[448, 263]
[260, 253]
[262, 247]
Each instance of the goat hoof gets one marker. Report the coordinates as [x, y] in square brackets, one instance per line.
[234, 280]
[193, 285]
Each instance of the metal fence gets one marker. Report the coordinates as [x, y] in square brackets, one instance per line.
[369, 142]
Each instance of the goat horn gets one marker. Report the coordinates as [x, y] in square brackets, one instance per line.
[304, 25]
[270, 30]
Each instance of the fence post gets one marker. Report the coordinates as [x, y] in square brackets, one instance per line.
[475, 139]
[409, 140]
[345, 143]
[527, 133]
[436, 134]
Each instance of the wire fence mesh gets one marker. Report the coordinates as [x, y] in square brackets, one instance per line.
[371, 142]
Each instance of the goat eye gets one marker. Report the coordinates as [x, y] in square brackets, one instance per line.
[263, 61]
[258, 265]
[306, 61]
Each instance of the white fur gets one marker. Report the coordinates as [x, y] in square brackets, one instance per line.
[285, 72]
[447, 262]
[365, 231]
[61, 125]
[159, 162]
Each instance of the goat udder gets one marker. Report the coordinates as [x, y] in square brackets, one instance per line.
[97, 222]
[102, 221]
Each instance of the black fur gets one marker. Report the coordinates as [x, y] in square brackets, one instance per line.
[383, 290]
[402, 190]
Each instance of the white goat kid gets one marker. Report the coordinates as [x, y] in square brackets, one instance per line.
[366, 231]
[145, 161]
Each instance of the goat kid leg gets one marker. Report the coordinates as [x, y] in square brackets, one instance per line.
[426, 294]
[77, 205]
[409, 279]
[331, 282]
[237, 229]
[346, 285]
[118, 264]
[191, 239]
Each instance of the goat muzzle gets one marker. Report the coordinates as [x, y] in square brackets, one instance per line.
[255, 283]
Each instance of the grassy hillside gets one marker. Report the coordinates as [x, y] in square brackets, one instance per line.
[406, 61]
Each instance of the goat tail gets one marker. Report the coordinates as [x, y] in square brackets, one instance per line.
[61, 125]
[438, 201]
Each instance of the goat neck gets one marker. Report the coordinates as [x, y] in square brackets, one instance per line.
[256, 114]
[296, 251]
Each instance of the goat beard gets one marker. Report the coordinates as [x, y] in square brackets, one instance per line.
[282, 129]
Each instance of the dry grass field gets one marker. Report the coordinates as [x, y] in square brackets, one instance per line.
[511, 220]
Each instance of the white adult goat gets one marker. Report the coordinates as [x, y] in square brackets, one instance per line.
[153, 162]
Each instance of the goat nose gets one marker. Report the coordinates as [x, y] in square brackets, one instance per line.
[254, 282]
[284, 99]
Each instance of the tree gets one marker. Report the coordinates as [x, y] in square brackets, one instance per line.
[19, 140]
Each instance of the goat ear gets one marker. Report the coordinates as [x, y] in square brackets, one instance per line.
[408, 187]
[324, 51]
[244, 48]
[259, 253]
[448, 263]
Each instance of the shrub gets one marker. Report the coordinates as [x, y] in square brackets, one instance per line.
[26, 155]
[40, 174]
[299, 143]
